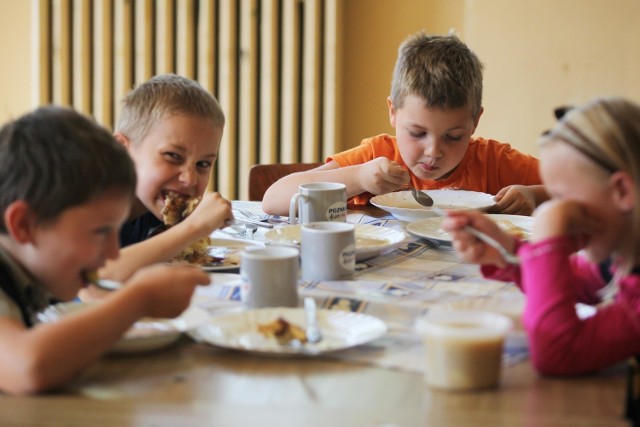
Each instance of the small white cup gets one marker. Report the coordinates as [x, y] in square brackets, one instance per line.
[269, 276]
[463, 348]
[319, 201]
[328, 251]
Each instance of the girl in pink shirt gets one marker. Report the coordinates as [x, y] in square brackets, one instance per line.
[585, 245]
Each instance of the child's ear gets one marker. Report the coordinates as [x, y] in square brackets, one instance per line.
[477, 119]
[392, 112]
[623, 190]
[122, 139]
[19, 220]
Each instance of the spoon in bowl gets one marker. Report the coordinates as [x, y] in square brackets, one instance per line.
[421, 197]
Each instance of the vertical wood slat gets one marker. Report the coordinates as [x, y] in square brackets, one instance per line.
[82, 73]
[227, 84]
[289, 150]
[271, 64]
[165, 36]
[41, 51]
[61, 52]
[123, 52]
[207, 52]
[103, 60]
[144, 68]
[186, 43]
[332, 78]
[248, 96]
[207, 56]
[311, 96]
[269, 72]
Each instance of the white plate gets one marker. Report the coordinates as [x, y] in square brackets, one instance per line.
[239, 331]
[431, 228]
[144, 335]
[402, 205]
[370, 239]
[229, 250]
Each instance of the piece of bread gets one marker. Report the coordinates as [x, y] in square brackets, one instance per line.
[176, 208]
[283, 331]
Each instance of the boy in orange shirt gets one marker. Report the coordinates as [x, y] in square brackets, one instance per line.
[435, 106]
[66, 187]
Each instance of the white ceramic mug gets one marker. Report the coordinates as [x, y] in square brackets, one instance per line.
[328, 251]
[269, 276]
[319, 201]
[463, 348]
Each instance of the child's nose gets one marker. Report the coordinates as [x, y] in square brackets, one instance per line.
[188, 175]
[432, 147]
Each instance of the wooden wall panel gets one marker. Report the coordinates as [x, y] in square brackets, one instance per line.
[82, 64]
[270, 63]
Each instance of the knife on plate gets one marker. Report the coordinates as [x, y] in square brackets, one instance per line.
[313, 328]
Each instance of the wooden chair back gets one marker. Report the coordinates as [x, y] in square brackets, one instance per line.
[261, 176]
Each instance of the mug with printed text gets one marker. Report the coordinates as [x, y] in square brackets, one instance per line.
[319, 201]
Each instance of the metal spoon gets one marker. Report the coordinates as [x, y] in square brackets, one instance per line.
[421, 197]
[508, 256]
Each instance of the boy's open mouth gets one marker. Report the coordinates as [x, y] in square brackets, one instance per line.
[166, 194]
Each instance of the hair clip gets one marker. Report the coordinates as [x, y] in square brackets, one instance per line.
[559, 112]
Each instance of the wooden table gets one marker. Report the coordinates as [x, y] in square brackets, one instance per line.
[191, 384]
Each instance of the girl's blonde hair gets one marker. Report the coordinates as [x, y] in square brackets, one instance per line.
[607, 131]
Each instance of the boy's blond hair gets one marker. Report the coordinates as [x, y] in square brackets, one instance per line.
[163, 96]
[441, 70]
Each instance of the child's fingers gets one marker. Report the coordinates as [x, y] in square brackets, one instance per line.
[394, 169]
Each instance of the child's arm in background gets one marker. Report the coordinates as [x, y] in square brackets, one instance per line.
[48, 355]
[519, 199]
[377, 176]
[211, 213]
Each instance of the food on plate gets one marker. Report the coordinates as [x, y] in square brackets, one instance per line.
[513, 229]
[366, 241]
[443, 234]
[283, 331]
[176, 208]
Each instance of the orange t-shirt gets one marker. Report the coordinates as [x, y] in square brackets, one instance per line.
[487, 166]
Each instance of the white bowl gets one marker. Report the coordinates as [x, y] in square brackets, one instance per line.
[402, 205]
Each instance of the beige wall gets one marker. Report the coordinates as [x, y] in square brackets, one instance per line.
[537, 55]
[373, 31]
[15, 51]
[548, 53]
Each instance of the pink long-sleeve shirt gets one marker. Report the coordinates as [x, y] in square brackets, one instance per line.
[554, 280]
